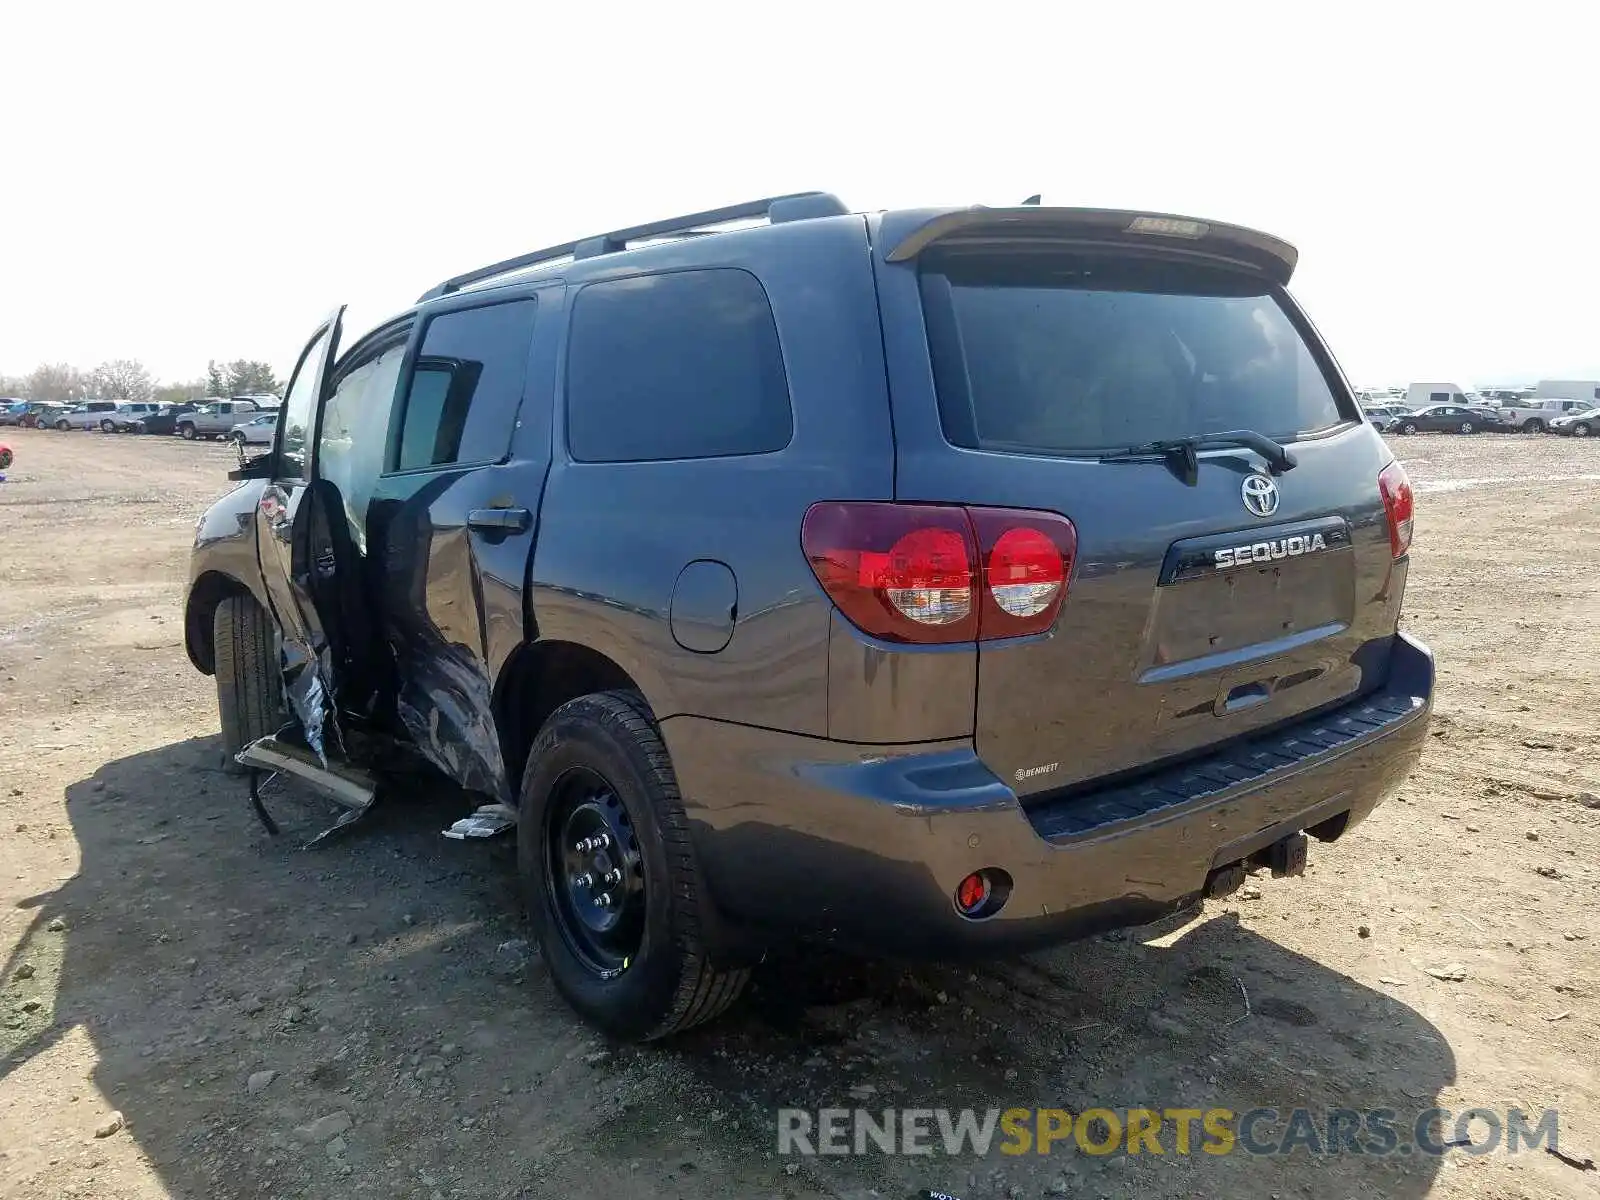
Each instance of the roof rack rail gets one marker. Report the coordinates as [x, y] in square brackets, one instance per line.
[797, 206]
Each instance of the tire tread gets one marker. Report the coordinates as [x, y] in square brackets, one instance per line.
[249, 700]
[703, 990]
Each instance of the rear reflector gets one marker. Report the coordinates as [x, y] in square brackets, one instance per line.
[1399, 505]
[927, 573]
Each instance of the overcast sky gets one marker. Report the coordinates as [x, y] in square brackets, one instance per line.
[186, 182]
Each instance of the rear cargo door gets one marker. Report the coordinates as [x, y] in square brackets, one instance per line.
[1210, 596]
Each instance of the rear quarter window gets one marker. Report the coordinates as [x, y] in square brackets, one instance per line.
[675, 366]
[1083, 355]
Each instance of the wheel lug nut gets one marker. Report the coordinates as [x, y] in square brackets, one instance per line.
[605, 900]
[613, 876]
[584, 880]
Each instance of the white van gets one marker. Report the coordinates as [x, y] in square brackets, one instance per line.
[1586, 390]
[1420, 395]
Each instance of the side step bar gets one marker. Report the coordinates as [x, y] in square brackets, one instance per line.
[347, 786]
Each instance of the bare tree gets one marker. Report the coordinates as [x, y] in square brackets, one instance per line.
[122, 379]
[56, 381]
[13, 385]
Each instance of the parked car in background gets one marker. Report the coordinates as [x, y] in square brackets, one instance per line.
[163, 420]
[1382, 416]
[1446, 418]
[1581, 424]
[1535, 416]
[1508, 396]
[1584, 391]
[124, 417]
[1567, 408]
[11, 411]
[257, 431]
[41, 414]
[217, 418]
[87, 415]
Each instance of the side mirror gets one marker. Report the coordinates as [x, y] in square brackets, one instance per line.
[259, 467]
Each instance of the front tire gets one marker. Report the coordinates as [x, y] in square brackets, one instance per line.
[188, 432]
[1408, 427]
[1468, 427]
[636, 964]
[63, 426]
[1581, 429]
[1533, 425]
[249, 686]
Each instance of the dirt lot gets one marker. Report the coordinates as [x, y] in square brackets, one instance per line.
[160, 953]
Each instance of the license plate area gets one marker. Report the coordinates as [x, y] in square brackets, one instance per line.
[1250, 591]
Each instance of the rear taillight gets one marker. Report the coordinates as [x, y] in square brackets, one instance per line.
[929, 573]
[1399, 505]
[1027, 563]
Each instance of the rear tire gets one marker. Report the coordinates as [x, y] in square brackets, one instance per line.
[1468, 427]
[668, 983]
[249, 686]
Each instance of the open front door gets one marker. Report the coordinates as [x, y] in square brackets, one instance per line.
[288, 564]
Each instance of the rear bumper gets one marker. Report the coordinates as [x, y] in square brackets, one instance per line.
[864, 845]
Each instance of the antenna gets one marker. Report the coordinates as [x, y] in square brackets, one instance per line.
[1036, 198]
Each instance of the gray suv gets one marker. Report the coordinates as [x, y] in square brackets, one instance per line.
[931, 582]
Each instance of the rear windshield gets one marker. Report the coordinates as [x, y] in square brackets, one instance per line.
[1083, 355]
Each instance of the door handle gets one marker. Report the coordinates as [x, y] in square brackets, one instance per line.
[500, 520]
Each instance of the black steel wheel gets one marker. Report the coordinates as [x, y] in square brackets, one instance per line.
[609, 873]
[595, 873]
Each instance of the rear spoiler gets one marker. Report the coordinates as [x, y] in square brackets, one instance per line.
[909, 234]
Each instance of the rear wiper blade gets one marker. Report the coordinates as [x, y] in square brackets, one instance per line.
[1183, 453]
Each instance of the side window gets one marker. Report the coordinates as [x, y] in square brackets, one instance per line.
[1438, 397]
[682, 365]
[299, 407]
[466, 386]
[355, 423]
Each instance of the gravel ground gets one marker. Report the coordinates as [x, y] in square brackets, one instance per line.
[190, 1008]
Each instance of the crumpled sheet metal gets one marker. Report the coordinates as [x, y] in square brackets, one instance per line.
[305, 680]
[445, 706]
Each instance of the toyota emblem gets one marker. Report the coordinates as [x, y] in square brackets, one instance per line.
[1260, 494]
